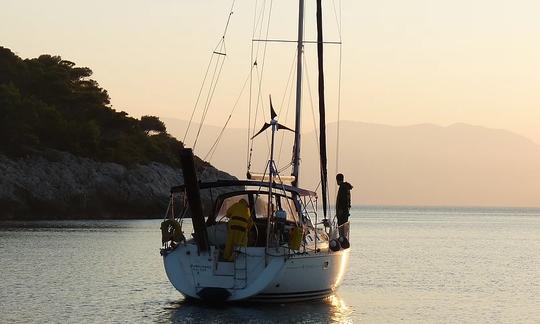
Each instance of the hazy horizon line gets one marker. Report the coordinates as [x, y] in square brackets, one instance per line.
[462, 207]
[309, 129]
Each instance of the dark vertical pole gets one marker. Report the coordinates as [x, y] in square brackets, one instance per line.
[322, 114]
[194, 199]
[298, 121]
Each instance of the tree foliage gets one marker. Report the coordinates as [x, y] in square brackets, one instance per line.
[152, 124]
[49, 103]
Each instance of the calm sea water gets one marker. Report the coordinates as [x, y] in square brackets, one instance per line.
[407, 265]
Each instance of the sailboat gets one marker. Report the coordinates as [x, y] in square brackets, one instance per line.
[289, 251]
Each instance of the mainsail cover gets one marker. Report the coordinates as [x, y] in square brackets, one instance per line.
[322, 114]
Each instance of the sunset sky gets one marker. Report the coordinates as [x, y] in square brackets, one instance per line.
[404, 62]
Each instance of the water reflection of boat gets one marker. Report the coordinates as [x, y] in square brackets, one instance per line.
[330, 310]
[282, 249]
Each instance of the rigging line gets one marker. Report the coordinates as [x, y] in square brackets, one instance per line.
[250, 136]
[198, 97]
[251, 64]
[288, 88]
[338, 20]
[284, 191]
[209, 100]
[263, 59]
[222, 40]
[287, 112]
[205, 109]
[291, 93]
[340, 17]
[259, 13]
[291, 101]
[249, 118]
[259, 99]
[338, 111]
[261, 75]
[263, 65]
[256, 105]
[211, 97]
[255, 17]
[212, 149]
[260, 24]
[212, 83]
[257, 27]
[338, 126]
[286, 119]
[311, 104]
[222, 51]
[288, 82]
[229, 19]
[224, 48]
[219, 46]
[285, 167]
[318, 185]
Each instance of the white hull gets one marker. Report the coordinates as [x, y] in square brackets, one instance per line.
[279, 278]
[306, 277]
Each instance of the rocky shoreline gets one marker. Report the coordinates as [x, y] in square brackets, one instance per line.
[59, 185]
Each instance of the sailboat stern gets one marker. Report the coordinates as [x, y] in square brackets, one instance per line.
[204, 276]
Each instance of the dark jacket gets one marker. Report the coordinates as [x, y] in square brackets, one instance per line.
[343, 201]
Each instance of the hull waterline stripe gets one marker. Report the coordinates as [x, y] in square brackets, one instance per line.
[290, 298]
[297, 293]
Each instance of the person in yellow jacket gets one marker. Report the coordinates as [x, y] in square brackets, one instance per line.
[238, 227]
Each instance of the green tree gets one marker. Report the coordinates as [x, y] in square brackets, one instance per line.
[152, 124]
[50, 103]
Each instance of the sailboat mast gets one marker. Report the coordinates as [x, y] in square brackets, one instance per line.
[300, 49]
[322, 109]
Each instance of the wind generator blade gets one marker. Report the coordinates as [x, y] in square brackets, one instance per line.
[272, 111]
[279, 126]
[266, 125]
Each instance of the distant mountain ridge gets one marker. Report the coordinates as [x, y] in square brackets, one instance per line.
[426, 164]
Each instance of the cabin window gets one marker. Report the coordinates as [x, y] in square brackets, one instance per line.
[227, 203]
[260, 206]
[285, 203]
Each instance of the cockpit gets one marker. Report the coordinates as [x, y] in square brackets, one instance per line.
[244, 206]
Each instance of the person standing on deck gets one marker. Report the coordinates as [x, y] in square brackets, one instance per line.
[343, 202]
[238, 227]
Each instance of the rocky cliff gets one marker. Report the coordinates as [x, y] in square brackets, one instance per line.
[59, 185]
